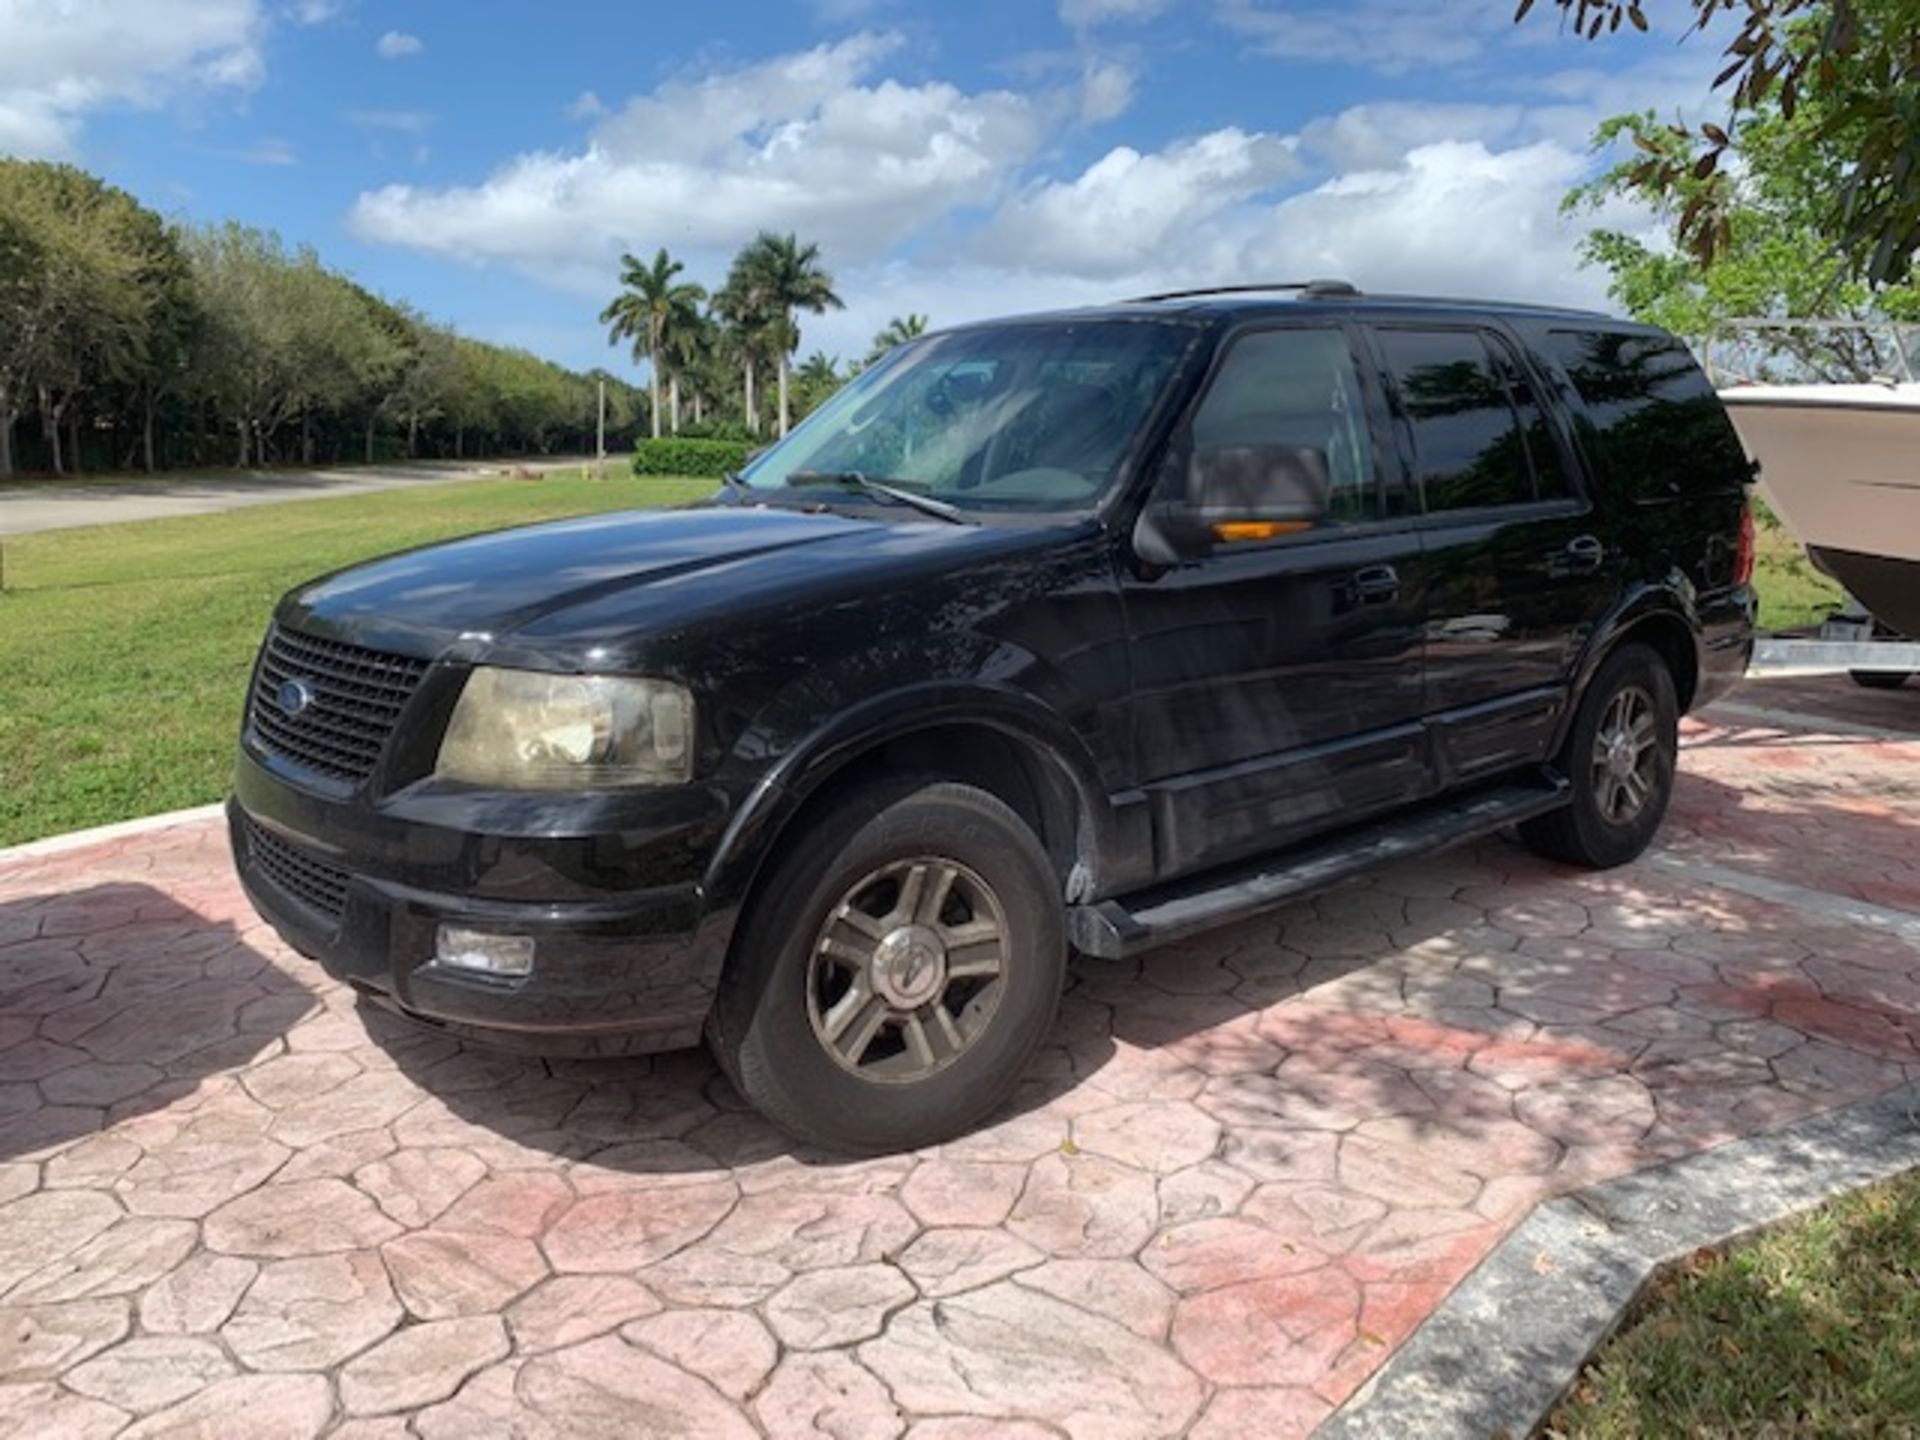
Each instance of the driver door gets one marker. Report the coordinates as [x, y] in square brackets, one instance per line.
[1277, 683]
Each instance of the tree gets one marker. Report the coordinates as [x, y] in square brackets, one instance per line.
[1859, 59]
[649, 296]
[749, 336]
[900, 329]
[74, 302]
[779, 276]
[814, 382]
[1773, 260]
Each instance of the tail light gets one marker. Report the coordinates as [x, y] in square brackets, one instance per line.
[1743, 550]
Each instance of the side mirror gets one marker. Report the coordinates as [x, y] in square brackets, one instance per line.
[1234, 494]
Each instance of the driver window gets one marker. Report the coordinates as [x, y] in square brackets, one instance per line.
[1297, 387]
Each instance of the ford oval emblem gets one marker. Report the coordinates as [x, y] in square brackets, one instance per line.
[294, 696]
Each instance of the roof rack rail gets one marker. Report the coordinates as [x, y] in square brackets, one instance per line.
[1310, 289]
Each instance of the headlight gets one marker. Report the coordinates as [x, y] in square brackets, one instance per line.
[524, 730]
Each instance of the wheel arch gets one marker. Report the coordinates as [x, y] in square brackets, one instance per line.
[1658, 619]
[1004, 743]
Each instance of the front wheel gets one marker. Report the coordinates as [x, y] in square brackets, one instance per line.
[1879, 679]
[1620, 758]
[896, 972]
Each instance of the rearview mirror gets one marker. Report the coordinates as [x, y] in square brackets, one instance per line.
[1257, 492]
[1235, 494]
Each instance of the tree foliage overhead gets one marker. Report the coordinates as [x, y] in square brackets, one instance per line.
[1858, 61]
[124, 339]
[1773, 260]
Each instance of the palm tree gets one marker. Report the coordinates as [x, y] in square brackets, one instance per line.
[680, 341]
[647, 303]
[781, 276]
[815, 381]
[749, 336]
[900, 329]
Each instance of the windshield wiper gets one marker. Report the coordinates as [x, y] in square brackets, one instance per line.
[854, 480]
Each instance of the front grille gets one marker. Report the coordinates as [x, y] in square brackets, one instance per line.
[357, 698]
[318, 884]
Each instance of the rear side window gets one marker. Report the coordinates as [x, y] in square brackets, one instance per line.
[1297, 386]
[1475, 420]
[1653, 425]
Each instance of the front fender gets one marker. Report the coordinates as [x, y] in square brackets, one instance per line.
[829, 748]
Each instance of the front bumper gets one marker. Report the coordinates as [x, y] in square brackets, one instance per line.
[626, 957]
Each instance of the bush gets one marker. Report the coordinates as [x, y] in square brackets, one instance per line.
[682, 455]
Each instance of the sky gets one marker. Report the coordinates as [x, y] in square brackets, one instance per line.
[489, 160]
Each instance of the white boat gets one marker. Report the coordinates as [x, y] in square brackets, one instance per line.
[1840, 465]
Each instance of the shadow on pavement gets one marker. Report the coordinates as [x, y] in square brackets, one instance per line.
[116, 1000]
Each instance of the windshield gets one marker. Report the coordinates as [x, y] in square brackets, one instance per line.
[1010, 417]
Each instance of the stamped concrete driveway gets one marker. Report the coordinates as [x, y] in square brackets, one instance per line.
[232, 1204]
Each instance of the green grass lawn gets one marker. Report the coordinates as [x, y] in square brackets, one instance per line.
[1792, 592]
[1811, 1330]
[124, 649]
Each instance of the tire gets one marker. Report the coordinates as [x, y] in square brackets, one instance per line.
[1612, 818]
[1879, 679]
[796, 1033]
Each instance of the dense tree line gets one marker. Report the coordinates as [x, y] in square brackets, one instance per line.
[715, 356]
[128, 341]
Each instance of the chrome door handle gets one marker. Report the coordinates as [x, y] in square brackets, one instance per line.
[1586, 552]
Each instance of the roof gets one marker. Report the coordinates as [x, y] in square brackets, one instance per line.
[1341, 294]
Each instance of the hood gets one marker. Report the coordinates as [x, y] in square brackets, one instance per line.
[630, 571]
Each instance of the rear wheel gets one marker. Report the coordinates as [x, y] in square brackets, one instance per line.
[1620, 758]
[896, 972]
[1879, 679]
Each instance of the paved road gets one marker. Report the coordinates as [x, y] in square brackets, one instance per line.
[1242, 1172]
[67, 507]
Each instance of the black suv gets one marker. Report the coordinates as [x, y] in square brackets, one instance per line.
[1082, 631]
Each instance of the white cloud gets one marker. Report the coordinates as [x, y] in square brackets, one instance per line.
[586, 106]
[270, 151]
[1085, 14]
[397, 44]
[1376, 135]
[1391, 36]
[61, 60]
[1128, 210]
[810, 141]
[1106, 91]
[315, 12]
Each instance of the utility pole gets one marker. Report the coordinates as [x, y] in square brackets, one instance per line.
[600, 444]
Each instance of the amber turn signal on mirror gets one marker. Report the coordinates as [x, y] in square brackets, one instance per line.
[1232, 530]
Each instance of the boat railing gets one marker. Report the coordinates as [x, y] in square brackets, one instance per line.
[1854, 351]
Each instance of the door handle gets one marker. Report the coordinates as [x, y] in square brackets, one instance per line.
[1376, 584]
[1585, 552]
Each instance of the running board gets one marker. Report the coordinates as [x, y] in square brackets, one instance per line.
[1114, 929]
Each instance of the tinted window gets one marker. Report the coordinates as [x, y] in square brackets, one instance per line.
[1653, 425]
[1543, 451]
[1296, 387]
[1467, 442]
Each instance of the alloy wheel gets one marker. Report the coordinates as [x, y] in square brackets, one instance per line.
[907, 971]
[1626, 756]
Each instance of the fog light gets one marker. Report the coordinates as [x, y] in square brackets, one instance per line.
[507, 956]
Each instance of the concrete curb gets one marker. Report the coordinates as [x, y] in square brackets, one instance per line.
[80, 839]
[1511, 1340]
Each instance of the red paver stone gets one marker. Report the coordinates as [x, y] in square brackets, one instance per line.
[421, 1364]
[1267, 1332]
[1239, 1174]
[246, 1407]
[150, 1372]
[312, 1314]
[607, 1388]
[570, 1308]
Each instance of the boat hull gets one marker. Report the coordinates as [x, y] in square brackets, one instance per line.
[1840, 465]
